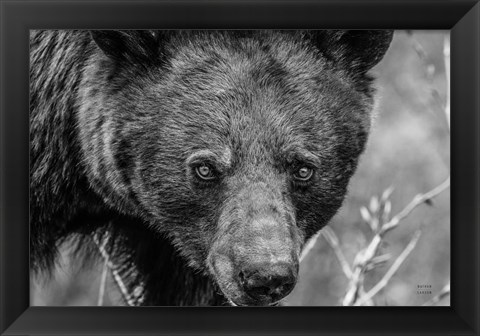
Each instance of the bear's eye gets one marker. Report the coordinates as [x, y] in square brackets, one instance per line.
[303, 174]
[205, 172]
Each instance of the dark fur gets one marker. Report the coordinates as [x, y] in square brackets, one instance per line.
[115, 119]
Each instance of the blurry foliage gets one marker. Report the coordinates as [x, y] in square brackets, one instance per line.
[409, 150]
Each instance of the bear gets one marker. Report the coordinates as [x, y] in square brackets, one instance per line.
[203, 159]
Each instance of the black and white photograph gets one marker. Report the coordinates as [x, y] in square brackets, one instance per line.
[239, 168]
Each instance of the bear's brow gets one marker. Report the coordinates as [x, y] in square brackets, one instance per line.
[223, 157]
[303, 155]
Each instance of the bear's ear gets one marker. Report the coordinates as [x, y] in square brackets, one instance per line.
[355, 50]
[129, 46]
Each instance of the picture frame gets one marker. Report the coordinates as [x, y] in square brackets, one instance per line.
[18, 17]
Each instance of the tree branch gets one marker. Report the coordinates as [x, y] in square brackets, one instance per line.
[333, 241]
[392, 270]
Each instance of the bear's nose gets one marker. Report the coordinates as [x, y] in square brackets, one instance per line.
[268, 282]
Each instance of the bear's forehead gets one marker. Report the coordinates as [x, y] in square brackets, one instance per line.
[253, 79]
[266, 68]
[222, 59]
[259, 94]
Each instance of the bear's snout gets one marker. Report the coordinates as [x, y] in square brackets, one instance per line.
[254, 257]
[267, 282]
[256, 264]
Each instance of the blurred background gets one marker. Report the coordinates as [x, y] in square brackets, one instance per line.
[408, 152]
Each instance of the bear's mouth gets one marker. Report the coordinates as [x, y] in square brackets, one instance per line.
[233, 304]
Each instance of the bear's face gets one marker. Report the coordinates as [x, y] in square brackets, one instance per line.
[239, 147]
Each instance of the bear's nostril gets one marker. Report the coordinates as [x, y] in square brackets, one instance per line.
[285, 288]
[241, 277]
[259, 291]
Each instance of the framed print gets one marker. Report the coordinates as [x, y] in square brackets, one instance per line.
[163, 154]
[138, 264]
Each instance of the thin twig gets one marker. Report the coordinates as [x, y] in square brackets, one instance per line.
[417, 200]
[439, 297]
[103, 283]
[393, 269]
[116, 276]
[309, 245]
[332, 239]
[446, 57]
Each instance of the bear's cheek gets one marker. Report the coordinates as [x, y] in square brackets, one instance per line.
[164, 193]
[316, 206]
[174, 207]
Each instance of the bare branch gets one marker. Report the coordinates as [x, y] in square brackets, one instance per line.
[103, 283]
[439, 297]
[116, 276]
[393, 269]
[332, 239]
[417, 200]
[309, 245]
[446, 57]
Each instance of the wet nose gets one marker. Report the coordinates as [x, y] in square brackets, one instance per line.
[268, 282]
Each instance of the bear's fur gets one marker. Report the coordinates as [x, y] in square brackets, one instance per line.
[124, 122]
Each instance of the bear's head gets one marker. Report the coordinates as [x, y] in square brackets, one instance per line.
[237, 145]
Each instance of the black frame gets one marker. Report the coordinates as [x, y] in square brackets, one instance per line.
[461, 16]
